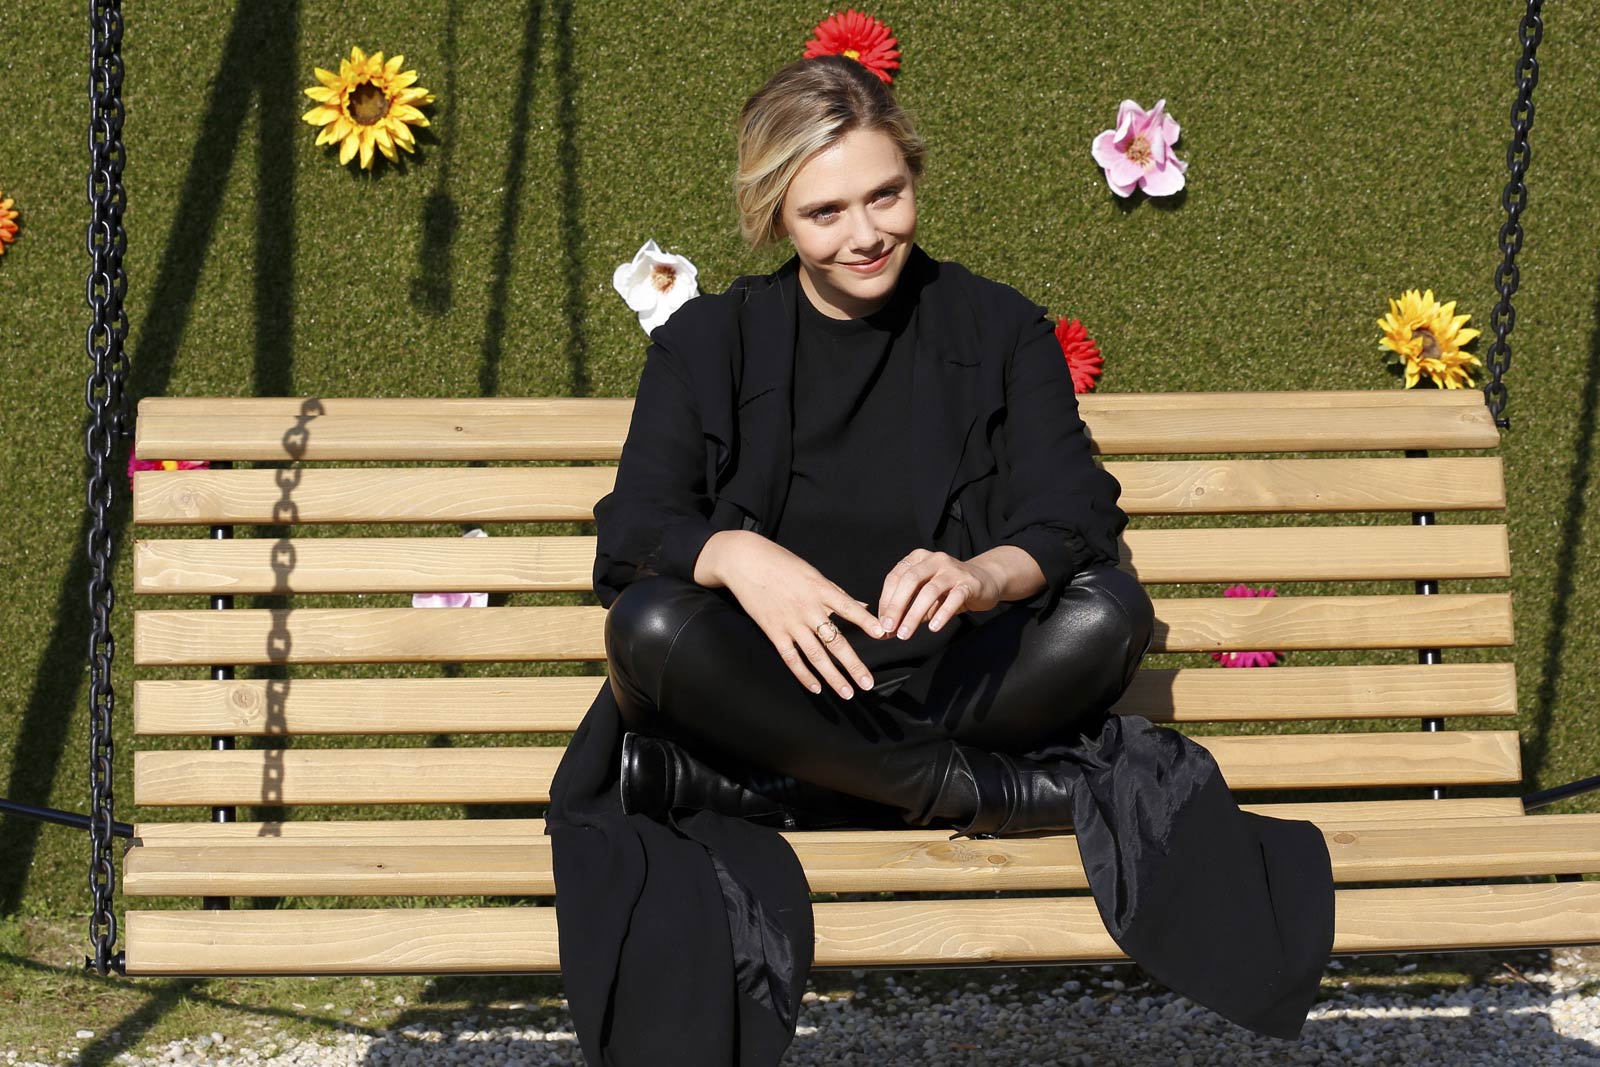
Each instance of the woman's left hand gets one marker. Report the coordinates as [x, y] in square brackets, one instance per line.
[934, 586]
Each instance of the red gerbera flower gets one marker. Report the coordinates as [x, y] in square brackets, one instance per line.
[861, 37]
[1083, 354]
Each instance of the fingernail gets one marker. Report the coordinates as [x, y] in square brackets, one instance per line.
[866, 681]
[815, 688]
[888, 623]
[934, 625]
[845, 691]
[905, 632]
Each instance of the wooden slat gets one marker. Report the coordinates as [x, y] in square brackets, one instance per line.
[593, 428]
[908, 861]
[1206, 624]
[312, 706]
[468, 830]
[371, 635]
[484, 775]
[471, 830]
[548, 563]
[307, 706]
[1288, 693]
[1212, 487]
[906, 933]
[568, 494]
[158, 408]
[404, 494]
[413, 635]
[575, 428]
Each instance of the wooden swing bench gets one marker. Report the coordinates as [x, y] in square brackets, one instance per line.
[1421, 873]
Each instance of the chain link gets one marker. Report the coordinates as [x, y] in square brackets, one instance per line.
[1506, 276]
[108, 421]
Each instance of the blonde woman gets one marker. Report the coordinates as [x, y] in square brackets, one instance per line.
[861, 570]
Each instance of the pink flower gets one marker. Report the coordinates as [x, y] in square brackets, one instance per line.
[135, 464]
[1247, 659]
[453, 600]
[1138, 153]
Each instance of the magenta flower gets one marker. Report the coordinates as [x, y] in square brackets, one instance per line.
[1138, 153]
[1247, 659]
[453, 600]
[135, 464]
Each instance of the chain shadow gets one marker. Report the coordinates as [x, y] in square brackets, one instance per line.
[259, 52]
[433, 287]
[493, 343]
[1536, 750]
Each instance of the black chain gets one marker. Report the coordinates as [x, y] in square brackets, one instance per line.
[1514, 199]
[108, 420]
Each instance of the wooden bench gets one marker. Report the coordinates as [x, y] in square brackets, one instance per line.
[1421, 872]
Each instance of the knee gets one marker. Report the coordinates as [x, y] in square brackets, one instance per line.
[641, 626]
[1111, 619]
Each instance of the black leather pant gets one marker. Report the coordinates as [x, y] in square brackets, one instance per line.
[686, 662]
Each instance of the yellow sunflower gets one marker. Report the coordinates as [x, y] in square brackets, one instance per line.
[8, 224]
[1426, 338]
[368, 103]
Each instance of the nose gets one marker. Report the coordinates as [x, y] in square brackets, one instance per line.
[864, 238]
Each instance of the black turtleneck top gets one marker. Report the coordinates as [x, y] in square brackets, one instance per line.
[848, 511]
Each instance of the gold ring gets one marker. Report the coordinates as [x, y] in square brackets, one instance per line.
[832, 631]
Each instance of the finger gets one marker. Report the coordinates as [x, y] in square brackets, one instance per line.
[932, 591]
[856, 611]
[797, 666]
[846, 655]
[891, 583]
[955, 601]
[904, 581]
[812, 647]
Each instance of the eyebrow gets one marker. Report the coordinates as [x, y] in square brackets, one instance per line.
[820, 204]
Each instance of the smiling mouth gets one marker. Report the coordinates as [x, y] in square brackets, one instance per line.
[869, 262]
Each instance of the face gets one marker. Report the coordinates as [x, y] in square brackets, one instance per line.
[851, 214]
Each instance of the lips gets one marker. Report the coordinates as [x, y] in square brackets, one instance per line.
[870, 266]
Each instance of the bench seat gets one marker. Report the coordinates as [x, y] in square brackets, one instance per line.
[354, 494]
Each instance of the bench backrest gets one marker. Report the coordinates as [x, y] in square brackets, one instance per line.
[355, 503]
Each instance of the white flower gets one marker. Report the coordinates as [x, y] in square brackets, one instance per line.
[452, 600]
[655, 284]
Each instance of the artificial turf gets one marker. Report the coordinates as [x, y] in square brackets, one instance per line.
[1338, 155]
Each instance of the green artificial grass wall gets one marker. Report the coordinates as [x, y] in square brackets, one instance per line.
[1336, 158]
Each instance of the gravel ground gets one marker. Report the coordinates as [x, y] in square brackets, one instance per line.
[1545, 1020]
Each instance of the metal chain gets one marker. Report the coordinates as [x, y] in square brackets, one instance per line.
[1514, 199]
[108, 420]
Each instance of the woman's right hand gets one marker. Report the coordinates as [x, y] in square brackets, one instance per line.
[788, 598]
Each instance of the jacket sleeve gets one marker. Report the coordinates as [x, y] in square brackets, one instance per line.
[656, 519]
[1061, 507]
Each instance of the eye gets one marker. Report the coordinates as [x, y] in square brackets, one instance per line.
[820, 212]
[891, 191]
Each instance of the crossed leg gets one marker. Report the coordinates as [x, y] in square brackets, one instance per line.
[687, 663]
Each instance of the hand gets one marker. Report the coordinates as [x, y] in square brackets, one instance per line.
[934, 587]
[789, 598]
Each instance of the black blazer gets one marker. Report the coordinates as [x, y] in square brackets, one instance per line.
[1006, 459]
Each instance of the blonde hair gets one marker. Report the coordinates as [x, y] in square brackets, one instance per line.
[804, 107]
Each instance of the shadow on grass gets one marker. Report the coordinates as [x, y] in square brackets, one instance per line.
[258, 56]
[512, 184]
[433, 288]
[1571, 539]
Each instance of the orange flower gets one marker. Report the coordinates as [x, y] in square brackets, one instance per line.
[8, 224]
[1083, 354]
[861, 37]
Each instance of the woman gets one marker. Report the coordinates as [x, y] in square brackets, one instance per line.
[861, 570]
